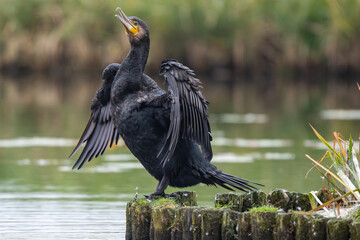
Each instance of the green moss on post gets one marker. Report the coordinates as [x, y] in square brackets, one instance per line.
[253, 199]
[229, 226]
[301, 202]
[338, 229]
[262, 225]
[355, 230]
[232, 201]
[280, 198]
[162, 222]
[284, 227]
[185, 198]
[211, 223]
[244, 226]
[138, 219]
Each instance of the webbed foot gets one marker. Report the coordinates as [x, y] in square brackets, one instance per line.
[155, 195]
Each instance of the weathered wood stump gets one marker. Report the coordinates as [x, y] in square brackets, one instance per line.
[211, 220]
[302, 223]
[262, 225]
[338, 229]
[184, 198]
[318, 228]
[232, 201]
[154, 219]
[280, 198]
[301, 201]
[355, 229]
[244, 226]
[162, 222]
[284, 227]
[229, 226]
[138, 219]
[253, 199]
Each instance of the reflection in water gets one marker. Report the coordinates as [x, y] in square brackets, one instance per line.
[41, 197]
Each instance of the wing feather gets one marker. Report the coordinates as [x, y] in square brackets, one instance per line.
[100, 130]
[189, 113]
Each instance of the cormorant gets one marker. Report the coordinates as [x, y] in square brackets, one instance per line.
[168, 132]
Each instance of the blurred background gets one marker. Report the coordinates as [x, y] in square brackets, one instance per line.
[268, 68]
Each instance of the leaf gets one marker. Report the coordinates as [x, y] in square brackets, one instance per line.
[323, 140]
[336, 136]
[332, 174]
[349, 185]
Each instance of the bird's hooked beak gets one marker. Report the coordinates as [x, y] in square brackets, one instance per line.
[128, 24]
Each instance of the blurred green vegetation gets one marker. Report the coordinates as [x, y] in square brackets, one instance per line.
[204, 33]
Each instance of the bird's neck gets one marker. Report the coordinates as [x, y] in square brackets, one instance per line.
[138, 55]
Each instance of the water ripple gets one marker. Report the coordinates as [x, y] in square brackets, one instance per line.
[54, 218]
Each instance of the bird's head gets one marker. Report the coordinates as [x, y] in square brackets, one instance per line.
[136, 29]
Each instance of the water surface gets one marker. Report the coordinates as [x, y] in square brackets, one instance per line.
[261, 132]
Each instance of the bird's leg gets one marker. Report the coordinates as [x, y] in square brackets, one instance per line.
[160, 189]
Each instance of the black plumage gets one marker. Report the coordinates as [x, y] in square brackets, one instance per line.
[168, 132]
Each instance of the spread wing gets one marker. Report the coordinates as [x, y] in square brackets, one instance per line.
[189, 111]
[100, 130]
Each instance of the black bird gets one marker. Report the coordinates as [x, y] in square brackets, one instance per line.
[168, 132]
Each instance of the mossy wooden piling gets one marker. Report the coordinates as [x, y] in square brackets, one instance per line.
[180, 218]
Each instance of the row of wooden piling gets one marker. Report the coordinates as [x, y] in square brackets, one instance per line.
[230, 219]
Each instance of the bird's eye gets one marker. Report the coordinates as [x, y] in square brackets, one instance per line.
[135, 23]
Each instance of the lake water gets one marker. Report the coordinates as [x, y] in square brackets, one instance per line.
[260, 128]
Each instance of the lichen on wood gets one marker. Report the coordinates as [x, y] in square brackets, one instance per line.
[262, 225]
[211, 223]
[244, 226]
[229, 226]
[338, 229]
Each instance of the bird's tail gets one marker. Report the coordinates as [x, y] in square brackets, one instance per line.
[229, 182]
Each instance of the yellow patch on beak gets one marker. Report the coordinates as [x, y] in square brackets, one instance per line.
[134, 30]
[130, 27]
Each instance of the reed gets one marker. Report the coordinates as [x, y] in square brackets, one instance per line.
[44, 33]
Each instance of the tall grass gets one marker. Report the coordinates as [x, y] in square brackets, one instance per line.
[340, 170]
[44, 33]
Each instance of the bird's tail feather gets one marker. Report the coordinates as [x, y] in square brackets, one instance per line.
[229, 182]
